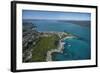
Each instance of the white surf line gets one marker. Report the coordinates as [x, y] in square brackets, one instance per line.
[61, 44]
[59, 49]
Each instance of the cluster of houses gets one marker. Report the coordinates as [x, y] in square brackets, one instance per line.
[30, 37]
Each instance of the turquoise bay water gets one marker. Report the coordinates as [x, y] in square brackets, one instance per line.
[79, 50]
[80, 47]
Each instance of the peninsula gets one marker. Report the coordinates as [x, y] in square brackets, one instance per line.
[48, 43]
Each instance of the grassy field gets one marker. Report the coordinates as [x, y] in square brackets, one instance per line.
[44, 44]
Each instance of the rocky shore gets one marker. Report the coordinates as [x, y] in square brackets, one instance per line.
[61, 45]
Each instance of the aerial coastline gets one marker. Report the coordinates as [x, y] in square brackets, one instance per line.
[55, 36]
[60, 47]
[47, 45]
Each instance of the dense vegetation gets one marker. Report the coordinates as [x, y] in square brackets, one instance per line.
[44, 44]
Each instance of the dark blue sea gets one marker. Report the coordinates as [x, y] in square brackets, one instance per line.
[79, 48]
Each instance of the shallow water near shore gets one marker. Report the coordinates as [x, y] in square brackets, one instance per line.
[75, 49]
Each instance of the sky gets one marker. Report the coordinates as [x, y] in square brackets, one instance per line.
[54, 15]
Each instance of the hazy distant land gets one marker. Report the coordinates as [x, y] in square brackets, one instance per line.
[85, 23]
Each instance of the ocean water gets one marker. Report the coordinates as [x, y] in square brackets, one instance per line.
[79, 48]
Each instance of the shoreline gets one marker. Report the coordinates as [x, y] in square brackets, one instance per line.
[60, 47]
